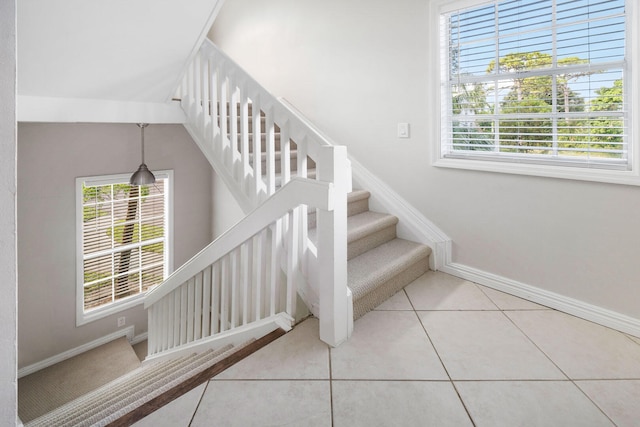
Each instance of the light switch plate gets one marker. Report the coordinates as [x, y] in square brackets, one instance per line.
[403, 130]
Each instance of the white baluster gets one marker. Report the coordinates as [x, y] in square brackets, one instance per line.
[164, 321]
[236, 297]
[206, 302]
[302, 165]
[197, 321]
[197, 94]
[190, 309]
[257, 147]
[274, 271]
[216, 305]
[270, 152]
[224, 293]
[285, 154]
[183, 314]
[214, 97]
[260, 268]
[233, 123]
[292, 263]
[223, 110]
[171, 319]
[176, 316]
[204, 87]
[151, 339]
[244, 136]
[245, 257]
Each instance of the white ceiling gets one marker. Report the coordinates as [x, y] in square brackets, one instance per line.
[117, 50]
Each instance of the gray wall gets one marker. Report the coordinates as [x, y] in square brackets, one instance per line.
[356, 68]
[226, 212]
[8, 270]
[50, 157]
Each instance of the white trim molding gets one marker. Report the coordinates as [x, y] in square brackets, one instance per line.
[513, 166]
[412, 225]
[565, 304]
[83, 317]
[80, 110]
[124, 332]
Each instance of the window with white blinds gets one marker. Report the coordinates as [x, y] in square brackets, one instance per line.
[122, 243]
[536, 81]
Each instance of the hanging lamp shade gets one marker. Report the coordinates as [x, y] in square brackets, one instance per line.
[143, 175]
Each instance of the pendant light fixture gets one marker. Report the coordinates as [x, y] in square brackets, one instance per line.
[143, 175]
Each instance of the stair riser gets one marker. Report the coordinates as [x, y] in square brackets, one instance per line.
[373, 240]
[354, 207]
[357, 207]
[386, 290]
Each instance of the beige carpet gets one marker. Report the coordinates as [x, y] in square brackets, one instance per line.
[123, 395]
[56, 385]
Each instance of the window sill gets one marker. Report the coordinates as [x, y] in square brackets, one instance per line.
[109, 310]
[549, 171]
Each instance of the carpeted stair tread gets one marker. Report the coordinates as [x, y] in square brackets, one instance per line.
[377, 266]
[130, 391]
[365, 231]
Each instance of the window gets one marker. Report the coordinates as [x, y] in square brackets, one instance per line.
[537, 83]
[124, 242]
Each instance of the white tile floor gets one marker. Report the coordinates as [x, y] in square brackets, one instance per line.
[443, 352]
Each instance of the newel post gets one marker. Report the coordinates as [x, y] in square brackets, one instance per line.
[336, 313]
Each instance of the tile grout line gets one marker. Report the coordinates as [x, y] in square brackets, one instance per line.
[440, 359]
[487, 296]
[199, 402]
[558, 367]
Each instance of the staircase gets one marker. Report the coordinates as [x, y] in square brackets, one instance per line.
[379, 263]
[257, 144]
[306, 233]
[134, 395]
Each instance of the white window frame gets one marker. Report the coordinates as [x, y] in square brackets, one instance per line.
[82, 316]
[632, 93]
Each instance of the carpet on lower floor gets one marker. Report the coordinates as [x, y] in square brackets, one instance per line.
[49, 388]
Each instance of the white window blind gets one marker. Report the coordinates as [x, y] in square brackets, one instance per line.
[123, 247]
[538, 81]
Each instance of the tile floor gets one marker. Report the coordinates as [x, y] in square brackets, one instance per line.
[442, 352]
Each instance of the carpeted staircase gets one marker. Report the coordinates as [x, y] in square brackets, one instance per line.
[379, 263]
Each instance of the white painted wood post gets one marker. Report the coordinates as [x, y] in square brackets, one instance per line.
[336, 320]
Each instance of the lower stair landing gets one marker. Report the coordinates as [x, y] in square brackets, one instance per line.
[138, 392]
[52, 387]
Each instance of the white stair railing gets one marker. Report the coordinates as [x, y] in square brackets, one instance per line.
[239, 282]
[257, 144]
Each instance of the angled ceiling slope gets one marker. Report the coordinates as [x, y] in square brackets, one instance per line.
[106, 61]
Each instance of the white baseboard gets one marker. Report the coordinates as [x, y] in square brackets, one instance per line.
[124, 332]
[581, 309]
[139, 338]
